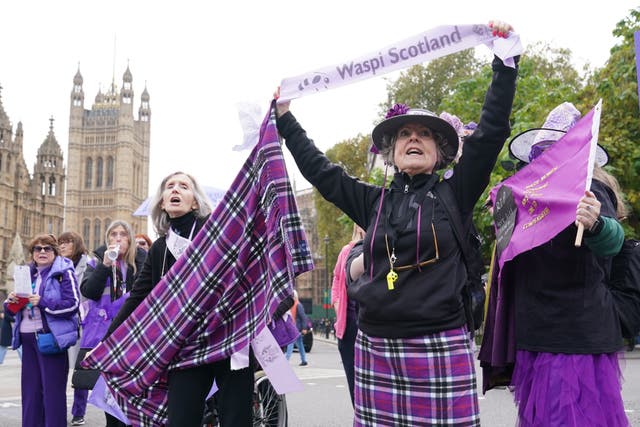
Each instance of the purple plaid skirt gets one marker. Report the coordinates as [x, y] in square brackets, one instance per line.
[421, 381]
[568, 390]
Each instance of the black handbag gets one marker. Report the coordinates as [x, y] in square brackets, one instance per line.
[84, 379]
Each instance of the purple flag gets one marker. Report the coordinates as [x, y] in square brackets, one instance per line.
[539, 201]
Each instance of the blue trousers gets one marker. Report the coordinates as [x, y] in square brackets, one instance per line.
[44, 385]
[3, 353]
[300, 344]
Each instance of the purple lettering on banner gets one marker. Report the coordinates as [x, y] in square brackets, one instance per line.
[431, 44]
[547, 191]
[636, 39]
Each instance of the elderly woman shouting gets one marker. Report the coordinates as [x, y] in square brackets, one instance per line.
[413, 355]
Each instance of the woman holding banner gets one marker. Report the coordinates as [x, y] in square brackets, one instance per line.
[413, 355]
[180, 207]
[567, 331]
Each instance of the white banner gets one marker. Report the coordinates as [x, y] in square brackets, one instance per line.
[274, 363]
[431, 44]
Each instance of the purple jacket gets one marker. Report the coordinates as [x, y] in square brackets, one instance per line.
[59, 301]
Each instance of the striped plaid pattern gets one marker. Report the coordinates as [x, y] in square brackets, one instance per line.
[412, 382]
[219, 295]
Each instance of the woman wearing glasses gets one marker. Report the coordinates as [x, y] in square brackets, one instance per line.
[53, 307]
[413, 355]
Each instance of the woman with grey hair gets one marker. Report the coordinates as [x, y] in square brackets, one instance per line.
[180, 208]
[106, 285]
[414, 363]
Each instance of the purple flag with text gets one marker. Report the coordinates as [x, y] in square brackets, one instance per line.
[539, 201]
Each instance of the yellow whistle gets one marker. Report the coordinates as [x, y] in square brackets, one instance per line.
[392, 276]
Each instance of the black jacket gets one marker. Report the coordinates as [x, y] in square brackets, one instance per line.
[158, 261]
[562, 301]
[94, 279]
[425, 300]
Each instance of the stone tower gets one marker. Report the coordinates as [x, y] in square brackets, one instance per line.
[108, 165]
[28, 205]
[48, 183]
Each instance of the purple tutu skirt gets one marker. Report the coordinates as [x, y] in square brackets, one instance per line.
[568, 390]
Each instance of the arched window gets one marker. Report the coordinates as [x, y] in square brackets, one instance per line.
[107, 223]
[43, 186]
[99, 172]
[26, 225]
[52, 186]
[110, 165]
[86, 230]
[88, 172]
[97, 233]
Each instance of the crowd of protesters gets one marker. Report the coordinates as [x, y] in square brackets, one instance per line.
[401, 316]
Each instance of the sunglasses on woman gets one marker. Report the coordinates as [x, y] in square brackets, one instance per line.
[37, 249]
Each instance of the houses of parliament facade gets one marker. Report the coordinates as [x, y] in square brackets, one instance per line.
[106, 177]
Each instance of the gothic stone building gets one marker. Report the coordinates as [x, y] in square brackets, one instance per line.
[108, 173]
[29, 205]
[108, 166]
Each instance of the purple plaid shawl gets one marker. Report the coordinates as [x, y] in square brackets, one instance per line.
[219, 295]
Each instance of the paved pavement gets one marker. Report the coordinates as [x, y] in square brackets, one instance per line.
[10, 383]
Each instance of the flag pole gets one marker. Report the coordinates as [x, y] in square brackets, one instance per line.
[578, 241]
[595, 128]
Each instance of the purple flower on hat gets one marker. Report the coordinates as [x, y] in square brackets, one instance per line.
[539, 148]
[453, 120]
[397, 110]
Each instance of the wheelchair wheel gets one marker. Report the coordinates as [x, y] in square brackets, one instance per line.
[269, 407]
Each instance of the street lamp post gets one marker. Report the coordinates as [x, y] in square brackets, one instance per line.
[326, 277]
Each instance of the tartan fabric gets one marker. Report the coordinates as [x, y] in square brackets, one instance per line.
[422, 381]
[221, 292]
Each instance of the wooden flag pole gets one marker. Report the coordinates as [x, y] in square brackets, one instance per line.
[578, 241]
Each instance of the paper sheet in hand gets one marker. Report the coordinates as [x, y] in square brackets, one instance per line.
[22, 280]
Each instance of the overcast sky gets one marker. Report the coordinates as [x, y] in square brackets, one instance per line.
[199, 59]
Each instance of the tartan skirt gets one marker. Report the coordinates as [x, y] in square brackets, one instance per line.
[423, 381]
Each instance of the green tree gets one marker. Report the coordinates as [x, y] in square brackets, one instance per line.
[616, 83]
[352, 156]
[426, 86]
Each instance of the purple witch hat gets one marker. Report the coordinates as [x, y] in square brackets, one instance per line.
[529, 144]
